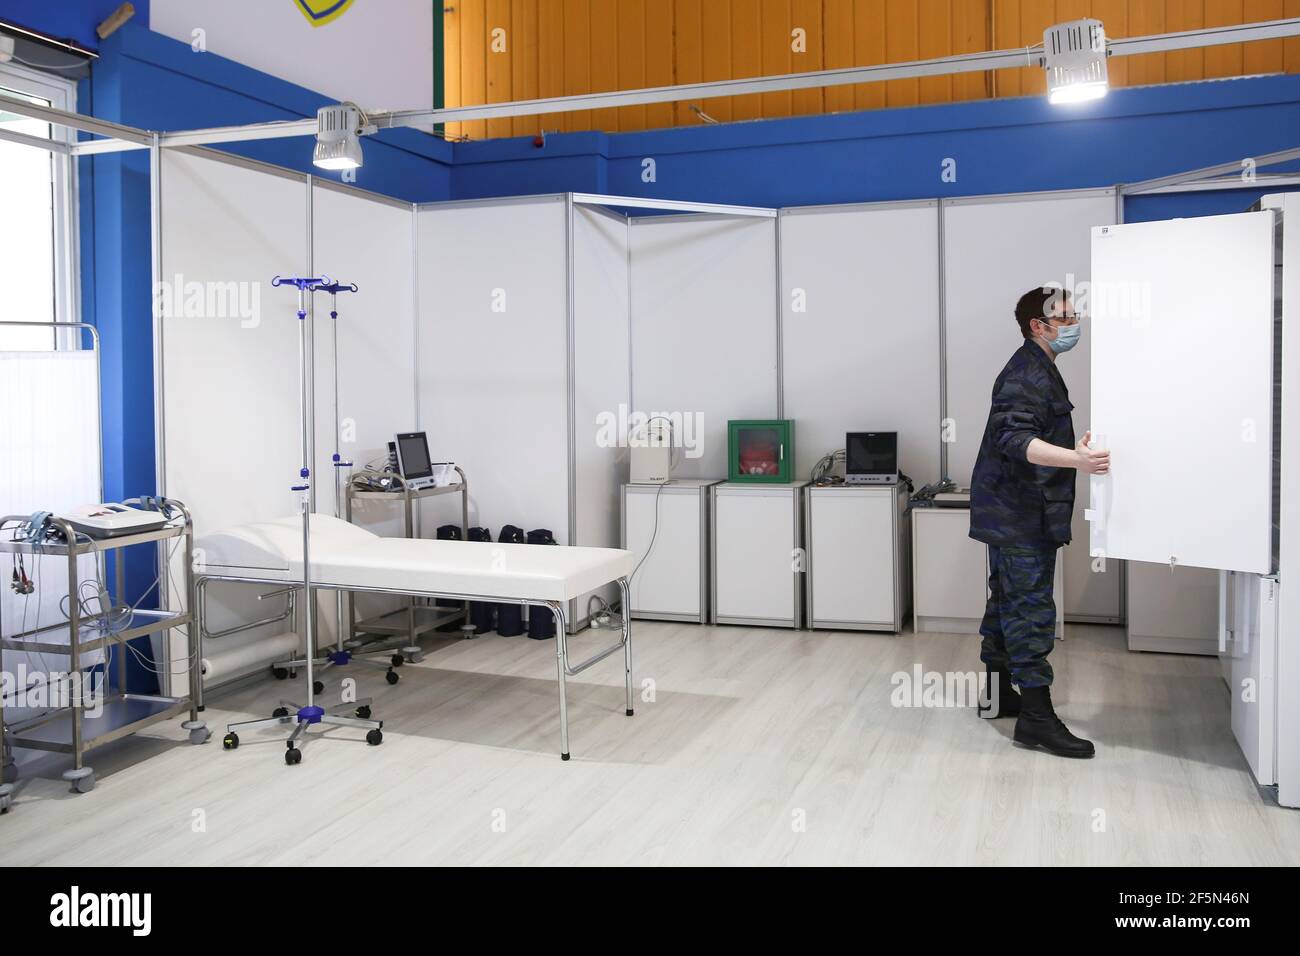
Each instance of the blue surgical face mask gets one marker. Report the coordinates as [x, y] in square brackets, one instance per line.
[1067, 337]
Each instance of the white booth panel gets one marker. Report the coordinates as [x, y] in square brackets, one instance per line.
[1183, 326]
[232, 441]
[755, 567]
[1050, 238]
[368, 242]
[704, 327]
[230, 340]
[492, 372]
[860, 332]
[601, 378]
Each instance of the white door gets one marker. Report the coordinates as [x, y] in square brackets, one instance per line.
[756, 567]
[1249, 646]
[662, 528]
[851, 552]
[1182, 391]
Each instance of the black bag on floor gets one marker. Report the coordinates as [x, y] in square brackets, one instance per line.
[541, 622]
[510, 617]
[481, 612]
[448, 532]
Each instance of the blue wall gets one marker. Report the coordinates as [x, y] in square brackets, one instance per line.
[1011, 145]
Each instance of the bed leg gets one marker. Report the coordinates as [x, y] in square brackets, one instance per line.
[625, 597]
[561, 652]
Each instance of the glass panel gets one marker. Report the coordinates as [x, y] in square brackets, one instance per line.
[26, 232]
[759, 450]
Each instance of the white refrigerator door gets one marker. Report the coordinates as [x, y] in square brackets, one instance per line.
[1182, 391]
[1251, 649]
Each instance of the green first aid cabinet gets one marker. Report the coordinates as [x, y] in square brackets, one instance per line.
[761, 451]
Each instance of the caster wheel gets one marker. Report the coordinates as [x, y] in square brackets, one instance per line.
[317, 687]
[292, 756]
[230, 741]
[280, 673]
[84, 784]
[392, 677]
[280, 712]
[200, 736]
[397, 660]
[375, 738]
[363, 712]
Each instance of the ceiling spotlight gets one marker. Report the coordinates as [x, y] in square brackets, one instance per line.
[1074, 55]
[338, 136]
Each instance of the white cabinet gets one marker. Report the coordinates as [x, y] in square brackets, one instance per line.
[950, 572]
[857, 557]
[1172, 610]
[667, 528]
[1248, 646]
[757, 558]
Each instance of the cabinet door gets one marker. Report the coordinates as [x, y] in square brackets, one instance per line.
[755, 571]
[1182, 391]
[851, 556]
[668, 581]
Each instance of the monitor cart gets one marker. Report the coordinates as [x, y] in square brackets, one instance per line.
[405, 625]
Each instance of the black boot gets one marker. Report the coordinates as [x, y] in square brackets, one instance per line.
[1007, 700]
[1038, 726]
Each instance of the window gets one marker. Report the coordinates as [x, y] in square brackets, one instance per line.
[36, 215]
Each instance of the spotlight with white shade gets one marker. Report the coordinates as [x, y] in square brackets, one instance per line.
[1074, 55]
[338, 136]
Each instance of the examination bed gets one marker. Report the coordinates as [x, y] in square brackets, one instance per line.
[345, 557]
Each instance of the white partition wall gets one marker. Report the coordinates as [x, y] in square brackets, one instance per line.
[230, 340]
[704, 326]
[493, 357]
[231, 438]
[995, 250]
[523, 354]
[860, 329]
[368, 241]
[601, 376]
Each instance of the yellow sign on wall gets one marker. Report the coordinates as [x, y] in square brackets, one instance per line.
[321, 12]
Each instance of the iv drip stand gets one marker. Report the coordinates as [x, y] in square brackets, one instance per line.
[304, 716]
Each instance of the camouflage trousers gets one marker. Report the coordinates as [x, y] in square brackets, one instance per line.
[1019, 626]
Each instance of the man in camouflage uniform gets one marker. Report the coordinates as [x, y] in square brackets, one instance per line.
[1022, 500]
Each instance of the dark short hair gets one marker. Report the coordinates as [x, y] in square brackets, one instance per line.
[1037, 304]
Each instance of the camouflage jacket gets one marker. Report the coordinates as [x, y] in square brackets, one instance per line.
[1012, 502]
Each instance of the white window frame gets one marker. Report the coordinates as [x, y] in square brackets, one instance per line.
[62, 95]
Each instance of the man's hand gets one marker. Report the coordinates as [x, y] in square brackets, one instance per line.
[1091, 461]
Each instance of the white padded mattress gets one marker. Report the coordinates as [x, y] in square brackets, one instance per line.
[347, 556]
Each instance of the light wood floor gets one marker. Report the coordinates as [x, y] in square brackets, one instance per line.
[760, 746]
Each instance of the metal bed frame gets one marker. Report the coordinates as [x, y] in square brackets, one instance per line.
[563, 667]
